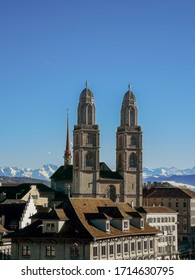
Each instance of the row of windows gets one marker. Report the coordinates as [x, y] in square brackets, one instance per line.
[166, 228]
[161, 220]
[167, 238]
[127, 248]
[166, 249]
[50, 251]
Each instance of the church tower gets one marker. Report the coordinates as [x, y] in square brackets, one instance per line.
[129, 150]
[86, 138]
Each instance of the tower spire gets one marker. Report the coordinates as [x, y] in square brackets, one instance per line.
[67, 153]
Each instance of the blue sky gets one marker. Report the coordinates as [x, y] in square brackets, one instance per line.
[49, 48]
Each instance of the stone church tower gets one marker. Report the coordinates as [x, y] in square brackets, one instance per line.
[129, 150]
[86, 147]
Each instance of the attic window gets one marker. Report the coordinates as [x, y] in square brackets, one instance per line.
[125, 225]
[141, 223]
[50, 227]
[107, 226]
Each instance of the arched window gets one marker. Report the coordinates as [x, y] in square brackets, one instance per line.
[112, 192]
[89, 114]
[133, 140]
[83, 114]
[133, 160]
[90, 139]
[89, 162]
[132, 116]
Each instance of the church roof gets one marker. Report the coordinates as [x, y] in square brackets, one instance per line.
[63, 173]
[169, 192]
[86, 96]
[67, 173]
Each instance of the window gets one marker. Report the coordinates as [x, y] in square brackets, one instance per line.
[74, 250]
[132, 247]
[125, 225]
[132, 160]
[50, 251]
[118, 248]
[26, 251]
[50, 227]
[103, 250]
[90, 159]
[133, 140]
[107, 226]
[95, 251]
[177, 204]
[184, 204]
[151, 244]
[90, 114]
[145, 244]
[139, 246]
[111, 249]
[126, 247]
[132, 116]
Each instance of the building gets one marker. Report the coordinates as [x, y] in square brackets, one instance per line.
[87, 229]
[165, 220]
[88, 177]
[183, 202]
[42, 194]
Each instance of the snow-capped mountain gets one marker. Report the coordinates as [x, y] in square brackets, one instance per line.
[43, 173]
[167, 172]
[172, 174]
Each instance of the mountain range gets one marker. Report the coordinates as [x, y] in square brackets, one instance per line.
[172, 174]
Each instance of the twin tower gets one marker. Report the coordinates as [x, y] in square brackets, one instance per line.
[92, 178]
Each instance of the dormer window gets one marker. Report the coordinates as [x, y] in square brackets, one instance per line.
[107, 225]
[141, 223]
[50, 227]
[125, 225]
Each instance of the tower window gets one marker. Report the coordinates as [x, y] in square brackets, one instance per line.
[89, 159]
[133, 160]
[133, 140]
[89, 114]
[132, 116]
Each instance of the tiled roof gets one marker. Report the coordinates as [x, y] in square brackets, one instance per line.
[82, 206]
[80, 211]
[168, 192]
[155, 209]
[54, 214]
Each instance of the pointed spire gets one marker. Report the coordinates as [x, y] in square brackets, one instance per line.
[67, 153]
[86, 83]
[129, 87]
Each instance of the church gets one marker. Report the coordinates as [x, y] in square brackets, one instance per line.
[87, 176]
